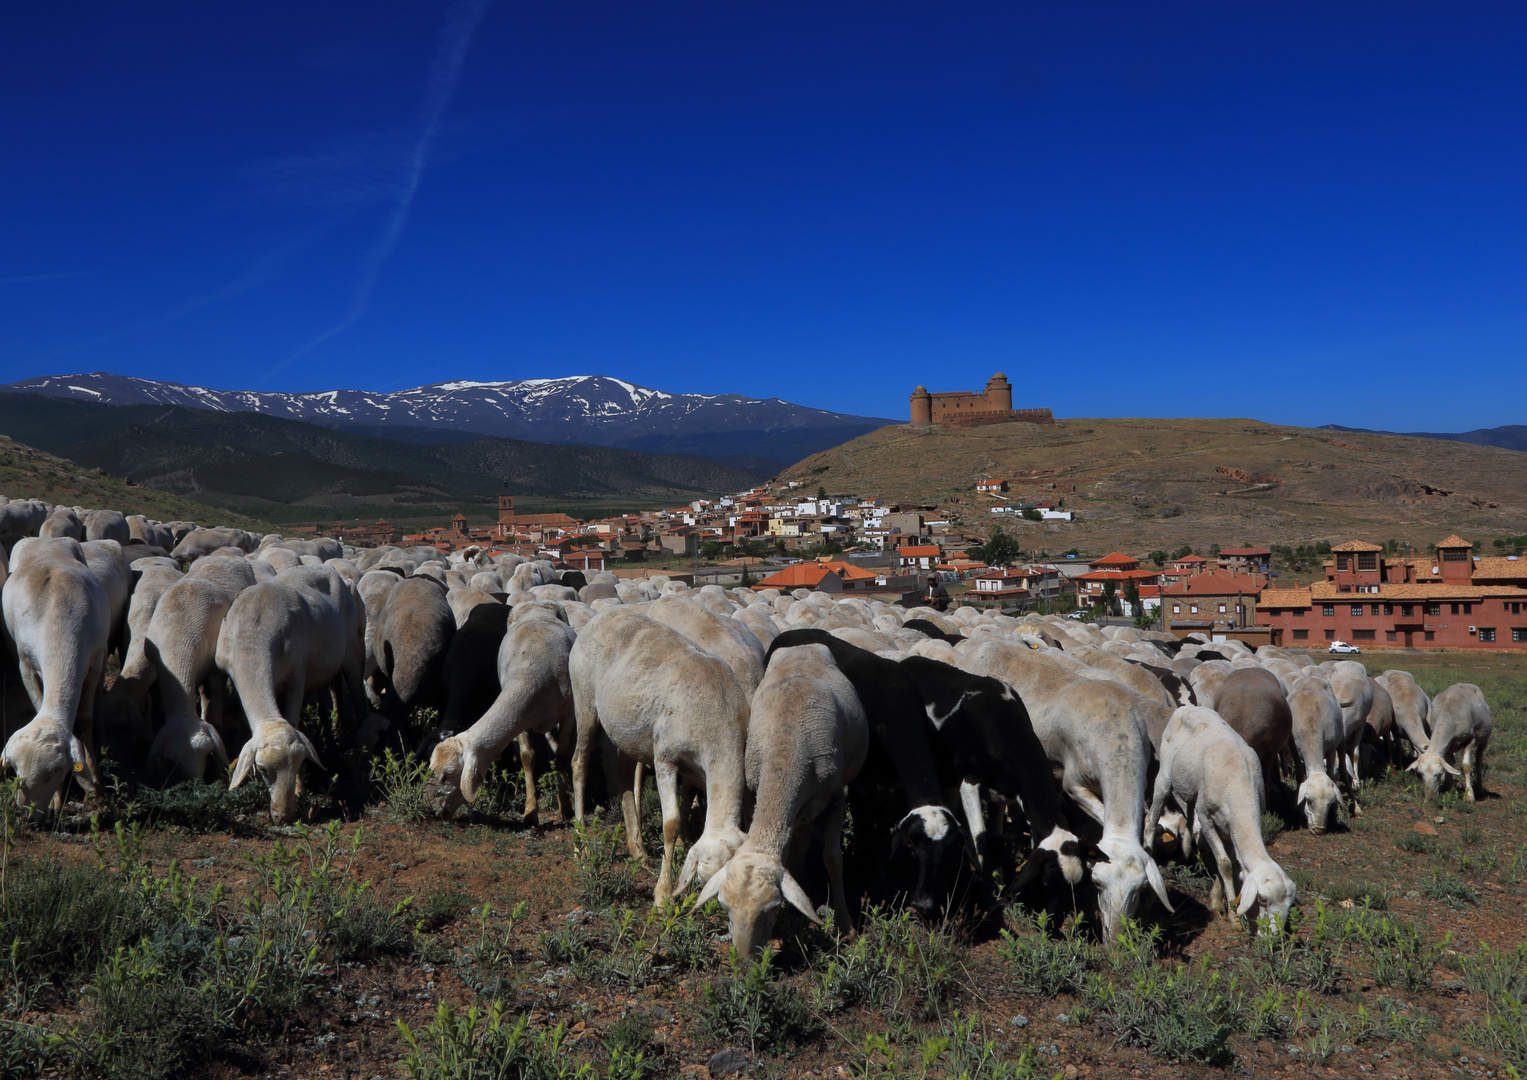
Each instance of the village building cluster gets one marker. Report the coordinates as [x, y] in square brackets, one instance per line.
[773, 537]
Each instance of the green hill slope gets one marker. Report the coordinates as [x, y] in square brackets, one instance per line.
[29, 473]
[279, 469]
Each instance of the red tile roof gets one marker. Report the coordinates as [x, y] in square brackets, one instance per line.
[1213, 583]
[1117, 558]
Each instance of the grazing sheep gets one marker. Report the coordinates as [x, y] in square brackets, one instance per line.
[666, 703]
[280, 640]
[1354, 693]
[1412, 707]
[1251, 700]
[1317, 735]
[807, 739]
[57, 614]
[1095, 736]
[1216, 779]
[412, 633]
[1460, 719]
[535, 695]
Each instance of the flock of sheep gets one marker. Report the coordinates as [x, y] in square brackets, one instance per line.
[769, 717]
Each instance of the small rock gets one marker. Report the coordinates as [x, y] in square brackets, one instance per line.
[729, 1061]
[1424, 828]
[1062, 1018]
[1348, 904]
[1071, 1073]
[1439, 819]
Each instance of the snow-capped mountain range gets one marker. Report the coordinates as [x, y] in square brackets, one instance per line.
[592, 409]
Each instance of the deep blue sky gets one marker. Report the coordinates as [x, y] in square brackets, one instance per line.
[1302, 212]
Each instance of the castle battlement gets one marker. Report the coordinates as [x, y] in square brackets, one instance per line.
[967, 408]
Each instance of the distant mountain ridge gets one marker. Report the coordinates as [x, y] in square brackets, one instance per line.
[1507, 436]
[759, 434]
[274, 468]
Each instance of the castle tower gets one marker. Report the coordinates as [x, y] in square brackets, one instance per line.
[505, 509]
[922, 406]
[999, 393]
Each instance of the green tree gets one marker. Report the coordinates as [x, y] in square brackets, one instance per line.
[1159, 557]
[1182, 552]
[712, 549]
[1000, 550]
[1132, 595]
[1109, 596]
[821, 491]
[1032, 515]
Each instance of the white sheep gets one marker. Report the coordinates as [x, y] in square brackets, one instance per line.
[1216, 778]
[807, 739]
[666, 703]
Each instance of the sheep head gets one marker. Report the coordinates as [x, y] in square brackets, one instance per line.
[753, 887]
[1121, 881]
[457, 771]
[1432, 769]
[43, 755]
[276, 751]
[1069, 854]
[184, 744]
[1318, 797]
[708, 855]
[1266, 895]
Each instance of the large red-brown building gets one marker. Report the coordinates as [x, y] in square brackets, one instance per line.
[1455, 601]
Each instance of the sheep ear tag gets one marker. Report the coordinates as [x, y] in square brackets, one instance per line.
[1167, 836]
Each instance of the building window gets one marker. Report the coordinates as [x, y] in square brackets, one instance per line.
[1487, 633]
[1299, 613]
[1455, 555]
[1390, 635]
[1357, 610]
[1176, 609]
[1222, 609]
[1274, 612]
[1468, 609]
[1519, 634]
[1373, 609]
[1407, 611]
[1304, 635]
[1367, 560]
[1362, 635]
[1330, 635]
[1455, 609]
[1328, 610]
[1431, 635]
[1434, 609]
[1388, 609]
[1516, 609]
[1193, 609]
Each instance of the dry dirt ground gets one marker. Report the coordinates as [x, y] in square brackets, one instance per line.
[1145, 483]
[195, 941]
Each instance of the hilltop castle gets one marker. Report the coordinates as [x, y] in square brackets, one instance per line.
[965, 408]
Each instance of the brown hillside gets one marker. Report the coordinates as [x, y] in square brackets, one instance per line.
[1143, 483]
[27, 473]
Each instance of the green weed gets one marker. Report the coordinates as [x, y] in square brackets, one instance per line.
[749, 1005]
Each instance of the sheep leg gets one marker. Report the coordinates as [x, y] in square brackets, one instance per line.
[31, 679]
[975, 818]
[532, 813]
[562, 759]
[1091, 805]
[627, 777]
[832, 860]
[1224, 885]
[588, 732]
[666, 776]
[1158, 806]
[1466, 766]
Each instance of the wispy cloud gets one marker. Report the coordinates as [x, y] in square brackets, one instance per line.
[27, 279]
[461, 22]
